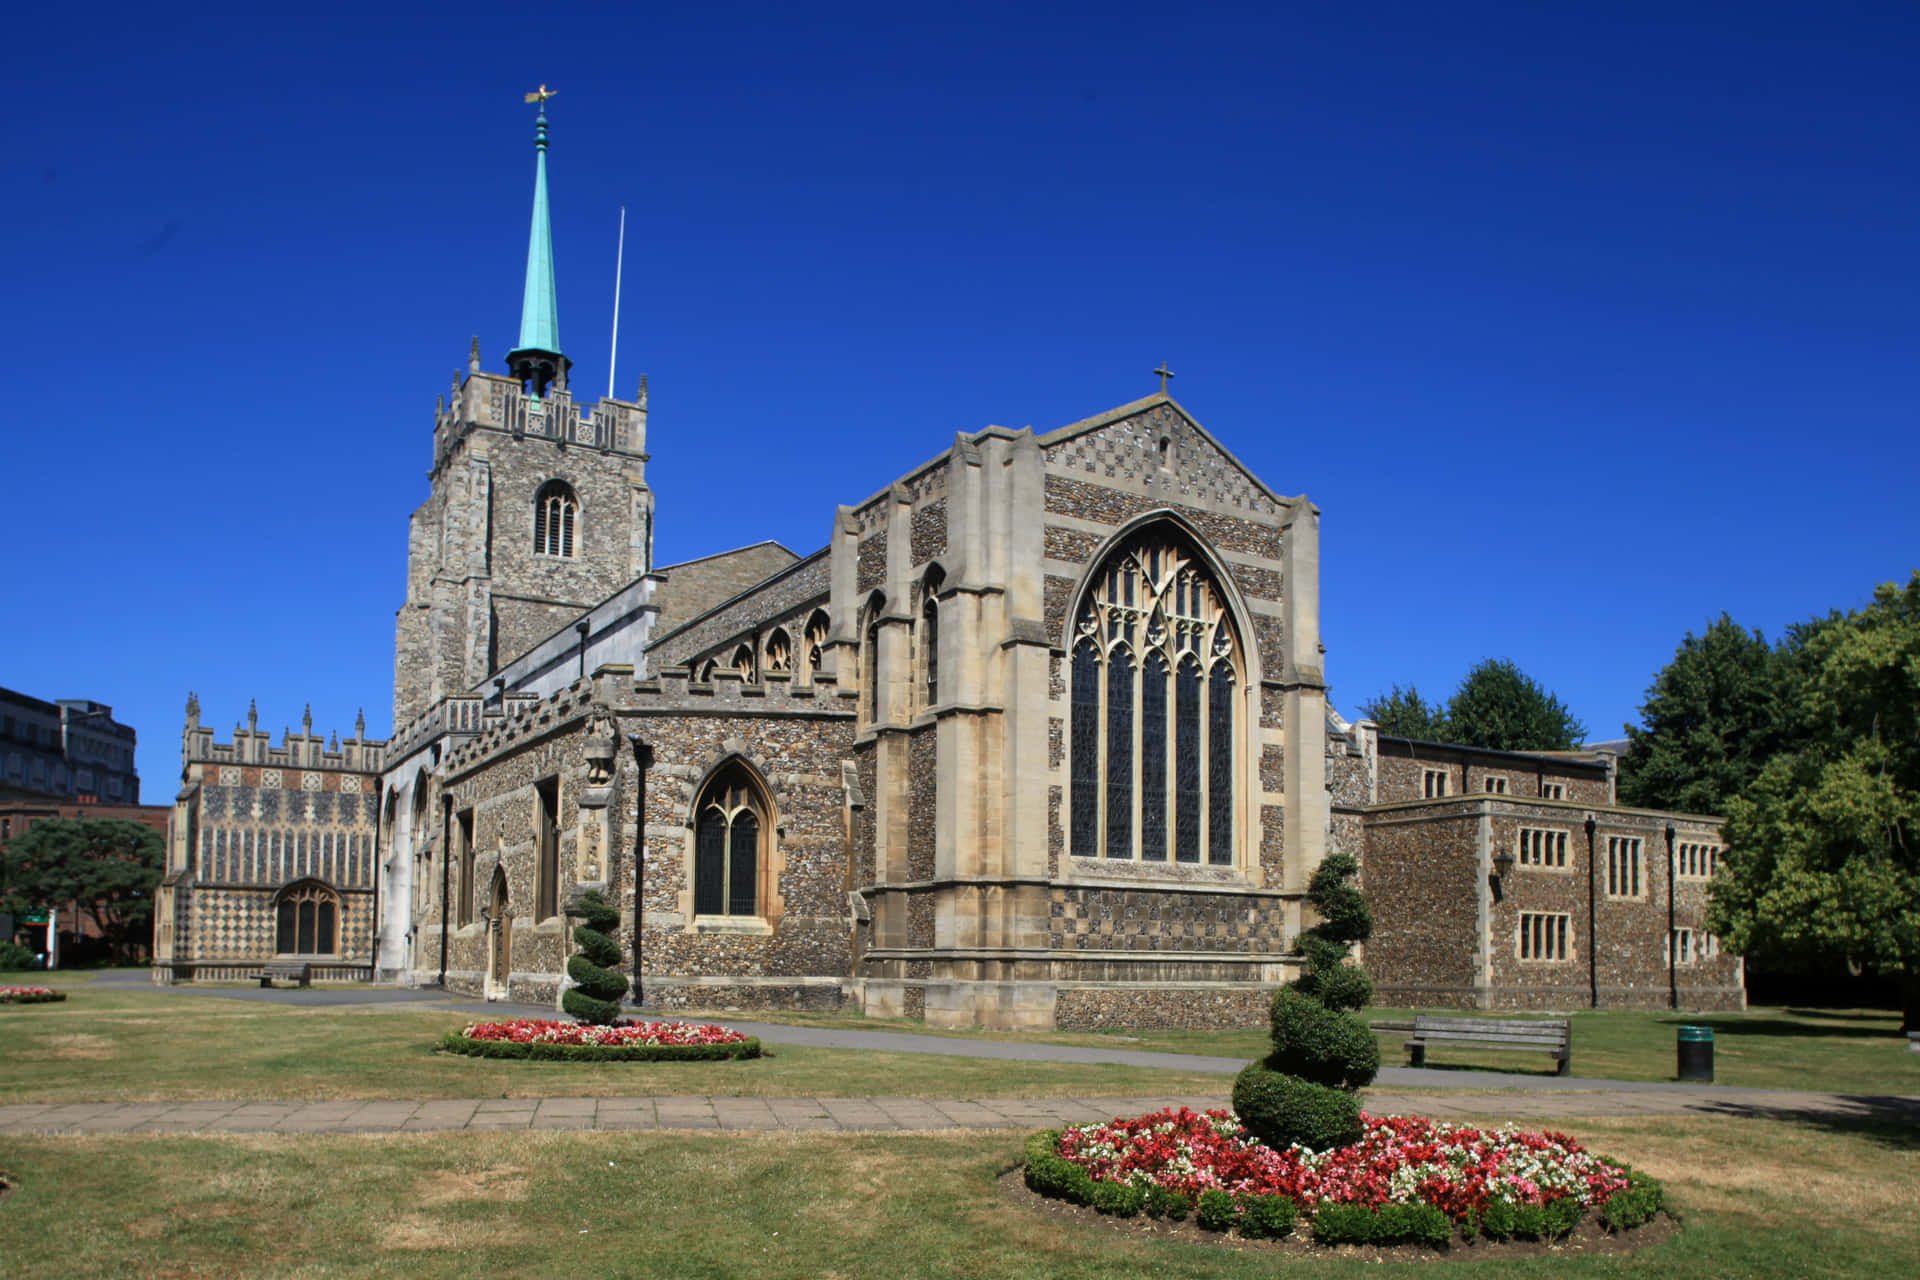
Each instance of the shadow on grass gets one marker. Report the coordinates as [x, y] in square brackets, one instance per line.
[1882, 1119]
[1748, 1026]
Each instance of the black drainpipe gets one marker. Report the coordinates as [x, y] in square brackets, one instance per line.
[643, 761]
[581, 628]
[446, 870]
[379, 819]
[1593, 943]
[1673, 982]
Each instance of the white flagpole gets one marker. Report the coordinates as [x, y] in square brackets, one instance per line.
[619, 256]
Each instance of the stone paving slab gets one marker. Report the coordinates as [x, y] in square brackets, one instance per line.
[880, 1115]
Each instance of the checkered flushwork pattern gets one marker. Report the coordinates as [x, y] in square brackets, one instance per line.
[230, 922]
[1144, 920]
[1130, 450]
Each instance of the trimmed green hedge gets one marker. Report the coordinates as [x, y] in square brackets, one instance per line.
[454, 1042]
[52, 997]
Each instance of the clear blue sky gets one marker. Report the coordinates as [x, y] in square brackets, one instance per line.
[1580, 323]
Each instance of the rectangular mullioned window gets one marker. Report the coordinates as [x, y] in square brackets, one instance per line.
[1545, 936]
[1685, 946]
[1541, 847]
[1553, 791]
[1433, 783]
[1494, 785]
[1623, 867]
[1696, 861]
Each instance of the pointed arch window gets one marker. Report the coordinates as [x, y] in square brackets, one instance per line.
[730, 827]
[779, 651]
[816, 640]
[870, 656]
[1156, 693]
[556, 512]
[929, 645]
[307, 920]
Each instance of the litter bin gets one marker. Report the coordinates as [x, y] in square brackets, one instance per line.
[1696, 1054]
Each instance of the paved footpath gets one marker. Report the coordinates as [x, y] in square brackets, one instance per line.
[877, 1115]
[1481, 1095]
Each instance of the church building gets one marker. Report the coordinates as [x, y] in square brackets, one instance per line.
[1039, 738]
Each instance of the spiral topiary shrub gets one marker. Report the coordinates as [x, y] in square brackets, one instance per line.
[1303, 1090]
[596, 998]
[1281, 1110]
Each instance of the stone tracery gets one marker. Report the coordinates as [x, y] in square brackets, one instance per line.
[1154, 712]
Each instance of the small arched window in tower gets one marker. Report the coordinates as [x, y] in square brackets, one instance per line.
[870, 656]
[730, 827]
[1155, 696]
[307, 920]
[556, 512]
[930, 633]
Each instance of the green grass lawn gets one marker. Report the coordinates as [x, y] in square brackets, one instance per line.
[123, 1046]
[1760, 1197]
[1834, 1051]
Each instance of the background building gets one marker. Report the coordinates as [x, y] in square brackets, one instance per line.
[68, 747]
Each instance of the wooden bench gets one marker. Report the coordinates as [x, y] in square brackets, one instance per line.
[299, 973]
[1554, 1037]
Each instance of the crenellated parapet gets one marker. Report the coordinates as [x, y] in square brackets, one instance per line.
[495, 402]
[252, 745]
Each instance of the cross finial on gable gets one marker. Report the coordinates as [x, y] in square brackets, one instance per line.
[1164, 373]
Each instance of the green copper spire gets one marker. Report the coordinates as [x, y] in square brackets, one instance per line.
[540, 313]
[537, 360]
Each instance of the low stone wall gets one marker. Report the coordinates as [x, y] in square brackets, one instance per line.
[733, 995]
[1194, 1008]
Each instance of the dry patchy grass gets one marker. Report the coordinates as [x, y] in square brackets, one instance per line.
[1762, 1197]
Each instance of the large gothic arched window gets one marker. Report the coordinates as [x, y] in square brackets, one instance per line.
[730, 827]
[1156, 670]
[307, 920]
[555, 512]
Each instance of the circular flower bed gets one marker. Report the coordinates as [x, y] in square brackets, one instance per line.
[622, 1041]
[1407, 1180]
[30, 995]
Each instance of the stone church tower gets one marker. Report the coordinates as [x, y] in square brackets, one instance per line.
[538, 509]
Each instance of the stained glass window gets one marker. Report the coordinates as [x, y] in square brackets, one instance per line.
[1119, 754]
[1153, 758]
[1154, 609]
[306, 920]
[1186, 761]
[727, 856]
[1085, 769]
[1220, 753]
[710, 863]
[742, 866]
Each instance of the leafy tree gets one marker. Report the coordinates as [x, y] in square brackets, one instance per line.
[1501, 707]
[1823, 852]
[1405, 714]
[110, 866]
[1713, 717]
